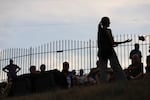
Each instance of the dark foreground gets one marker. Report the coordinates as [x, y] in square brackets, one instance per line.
[130, 90]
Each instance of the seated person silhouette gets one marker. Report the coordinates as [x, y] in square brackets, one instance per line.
[33, 70]
[33, 77]
[135, 70]
[93, 76]
[67, 73]
[42, 68]
[82, 78]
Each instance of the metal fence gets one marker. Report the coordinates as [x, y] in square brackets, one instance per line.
[79, 54]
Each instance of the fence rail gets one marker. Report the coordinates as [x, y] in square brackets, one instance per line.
[79, 54]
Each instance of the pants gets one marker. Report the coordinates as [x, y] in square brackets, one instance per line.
[114, 63]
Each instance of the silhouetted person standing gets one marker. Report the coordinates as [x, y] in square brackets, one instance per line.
[106, 51]
[148, 63]
[135, 51]
[11, 70]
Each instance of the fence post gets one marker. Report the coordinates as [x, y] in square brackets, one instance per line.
[90, 52]
[30, 54]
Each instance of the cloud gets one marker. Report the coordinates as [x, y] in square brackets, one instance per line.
[68, 11]
[133, 11]
[74, 18]
[54, 10]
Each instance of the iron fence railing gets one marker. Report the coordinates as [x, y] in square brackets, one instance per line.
[79, 54]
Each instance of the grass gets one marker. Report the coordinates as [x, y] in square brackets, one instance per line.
[131, 90]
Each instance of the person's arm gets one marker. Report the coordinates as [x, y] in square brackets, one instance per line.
[140, 54]
[131, 54]
[128, 40]
[18, 69]
[114, 43]
[5, 69]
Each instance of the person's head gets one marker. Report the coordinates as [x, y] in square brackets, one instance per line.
[94, 70]
[136, 46]
[105, 21]
[11, 61]
[81, 72]
[74, 72]
[32, 69]
[65, 66]
[42, 67]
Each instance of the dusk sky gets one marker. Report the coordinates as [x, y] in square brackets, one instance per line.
[25, 23]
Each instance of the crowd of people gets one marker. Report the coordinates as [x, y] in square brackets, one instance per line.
[101, 73]
[106, 52]
[133, 71]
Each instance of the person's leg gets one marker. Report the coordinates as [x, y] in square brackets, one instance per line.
[103, 67]
[118, 72]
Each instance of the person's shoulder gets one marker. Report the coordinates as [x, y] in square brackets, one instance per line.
[139, 51]
[108, 29]
[133, 50]
[15, 65]
[7, 66]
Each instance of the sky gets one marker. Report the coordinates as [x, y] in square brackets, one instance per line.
[25, 23]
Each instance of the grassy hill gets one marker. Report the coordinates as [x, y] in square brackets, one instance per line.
[130, 90]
